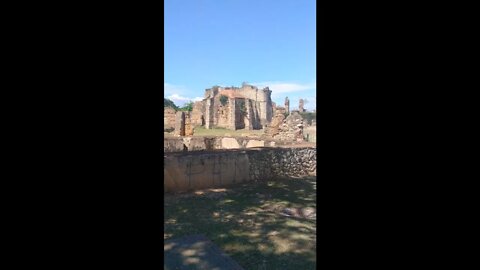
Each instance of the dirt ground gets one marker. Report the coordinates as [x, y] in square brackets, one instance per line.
[271, 223]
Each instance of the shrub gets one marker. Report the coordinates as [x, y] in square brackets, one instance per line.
[223, 100]
[309, 116]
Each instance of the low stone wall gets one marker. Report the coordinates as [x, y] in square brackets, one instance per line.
[199, 170]
[179, 144]
[291, 162]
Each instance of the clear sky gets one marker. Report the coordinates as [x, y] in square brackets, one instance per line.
[227, 42]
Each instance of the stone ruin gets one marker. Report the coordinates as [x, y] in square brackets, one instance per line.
[234, 108]
[300, 106]
[198, 114]
[179, 124]
[183, 124]
[169, 119]
[286, 129]
[274, 128]
[287, 105]
[188, 124]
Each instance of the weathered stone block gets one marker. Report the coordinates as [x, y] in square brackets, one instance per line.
[230, 143]
[255, 143]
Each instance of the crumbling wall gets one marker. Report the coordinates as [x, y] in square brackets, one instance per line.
[197, 116]
[216, 114]
[221, 113]
[274, 128]
[168, 118]
[188, 124]
[292, 128]
[208, 113]
[179, 124]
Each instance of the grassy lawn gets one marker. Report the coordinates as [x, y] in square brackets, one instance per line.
[244, 221]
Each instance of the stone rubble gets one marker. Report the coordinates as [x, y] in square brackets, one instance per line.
[291, 129]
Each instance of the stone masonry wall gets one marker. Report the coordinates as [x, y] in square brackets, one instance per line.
[225, 116]
[198, 117]
[196, 170]
[179, 124]
[289, 162]
[169, 118]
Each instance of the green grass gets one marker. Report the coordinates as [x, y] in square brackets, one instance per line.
[244, 222]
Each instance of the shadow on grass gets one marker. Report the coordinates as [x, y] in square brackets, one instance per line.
[244, 221]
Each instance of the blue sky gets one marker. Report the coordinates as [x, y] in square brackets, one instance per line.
[227, 42]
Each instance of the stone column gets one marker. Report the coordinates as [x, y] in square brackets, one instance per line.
[249, 117]
[300, 106]
[209, 113]
[287, 105]
[263, 113]
[188, 124]
[180, 124]
[232, 114]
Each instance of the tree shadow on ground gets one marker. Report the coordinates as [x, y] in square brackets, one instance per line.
[245, 222]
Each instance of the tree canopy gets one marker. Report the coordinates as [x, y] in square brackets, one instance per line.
[187, 107]
[168, 103]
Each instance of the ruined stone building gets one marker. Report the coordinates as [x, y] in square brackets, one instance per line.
[234, 108]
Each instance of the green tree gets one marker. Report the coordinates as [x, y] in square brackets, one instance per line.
[168, 103]
[187, 107]
[309, 116]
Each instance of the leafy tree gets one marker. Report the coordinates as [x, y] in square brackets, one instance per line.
[168, 103]
[309, 116]
[187, 107]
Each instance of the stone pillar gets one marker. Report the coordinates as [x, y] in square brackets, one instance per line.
[209, 113]
[232, 114]
[300, 106]
[287, 105]
[180, 124]
[188, 124]
[262, 109]
[255, 116]
[249, 117]
[269, 111]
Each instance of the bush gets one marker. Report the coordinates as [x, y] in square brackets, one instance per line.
[168, 103]
[223, 100]
[309, 116]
